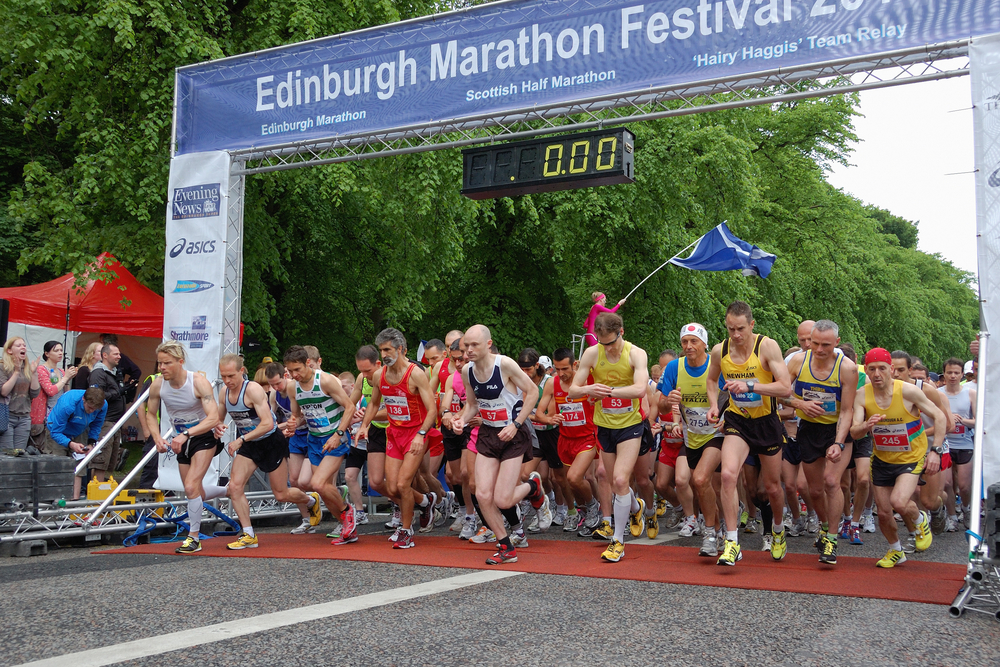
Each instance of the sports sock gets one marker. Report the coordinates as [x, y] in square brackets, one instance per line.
[512, 516]
[649, 511]
[248, 530]
[634, 504]
[311, 502]
[459, 494]
[855, 524]
[731, 535]
[195, 507]
[767, 514]
[506, 542]
[534, 488]
[426, 499]
[479, 511]
[621, 505]
[896, 546]
[212, 491]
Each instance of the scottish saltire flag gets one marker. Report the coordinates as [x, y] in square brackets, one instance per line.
[721, 250]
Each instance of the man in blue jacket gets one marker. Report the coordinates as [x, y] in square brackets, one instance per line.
[75, 421]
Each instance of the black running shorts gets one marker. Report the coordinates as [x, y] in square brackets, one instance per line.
[267, 453]
[764, 435]
[814, 439]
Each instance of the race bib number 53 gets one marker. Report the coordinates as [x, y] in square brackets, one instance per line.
[616, 406]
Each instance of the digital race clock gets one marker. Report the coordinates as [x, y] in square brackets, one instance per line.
[603, 157]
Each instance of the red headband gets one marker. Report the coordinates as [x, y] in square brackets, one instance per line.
[878, 354]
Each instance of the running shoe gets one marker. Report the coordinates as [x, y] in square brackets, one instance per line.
[538, 498]
[752, 526]
[396, 521]
[709, 545]
[766, 540]
[689, 526]
[392, 538]
[615, 552]
[360, 517]
[483, 536]
[244, 541]
[593, 515]
[304, 527]
[730, 554]
[604, 531]
[856, 535]
[458, 523]
[468, 527]
[744, 515]
[316, 511]
[544, 513]
[190, 545]
[337, 529]
[652, 526]
[405, 540]
[829, 553]
[909, 543]
[661, 506]
[344, 492]
[572, 522]
[812, 523]
[444, 509]
[778, 545]
[427, 513]
[559, 518]
[924, 536]
[518, 540]
[868, 523]
[635, 519]
[347, 519]
[966, 515]
[345, 539]
[798, 527]
[939, 519]
[892, 558]
[952, 525]
[786, 517]
[533, 526]
[503, 555]
[844, 531]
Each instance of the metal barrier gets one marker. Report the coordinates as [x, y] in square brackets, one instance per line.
[82, 465]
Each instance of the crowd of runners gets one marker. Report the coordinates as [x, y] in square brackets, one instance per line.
[734, 437]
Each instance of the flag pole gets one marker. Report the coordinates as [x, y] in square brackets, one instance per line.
[693, 243]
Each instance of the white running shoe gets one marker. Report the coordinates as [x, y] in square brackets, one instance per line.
[533, 525]
[468, 527]
[360, 517]
[303, 528]
[483, 536]
[868, 523]
[395, 535]
[572, 522]
[457, 524]
[709, 545]
[767, 541]
[798, 527]
[689, 526]
[559, 518]
[518, 540]
[396, 521]
[812, 523]
[544, 515]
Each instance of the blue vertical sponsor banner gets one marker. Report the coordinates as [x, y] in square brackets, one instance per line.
[984, 66]
[513, 55]
[195, 261]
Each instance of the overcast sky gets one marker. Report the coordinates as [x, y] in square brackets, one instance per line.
[911, 138]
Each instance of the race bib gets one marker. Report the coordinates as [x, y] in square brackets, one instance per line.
[617, 406]
[573, 414]
[456, 403]
[181, 425]
[890, 438]
[397, 407]
[316, 416]
[697, 422]
[748, 400]
[827, 399]
[959, 428]
[494, 412]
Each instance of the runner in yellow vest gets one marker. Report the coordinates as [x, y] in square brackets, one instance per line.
[755, 375]
[890, 410]
[824, 383]
[620, 377]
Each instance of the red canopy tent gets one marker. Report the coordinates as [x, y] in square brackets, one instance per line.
[94, 306]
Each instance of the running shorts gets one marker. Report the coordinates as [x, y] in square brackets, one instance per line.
[268, 453]
[489, 444]
[399, 440]
[610, 438]
[376, 440]
[668, 456]
[961, 457]
[198, 443]
[454, 444]
[435, 442]
[356, 458]
[694, 455]
[548, 443]
[570, 448]
[814, 439]
[299, 444]
[885, 474]
[790, 451]
[764, 435]
[316, 453]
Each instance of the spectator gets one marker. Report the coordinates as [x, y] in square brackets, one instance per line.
[131, 373]
[18, 387]
[600, 306]
[90, 357]
[74, 425]
[107, 376]
[53, 381]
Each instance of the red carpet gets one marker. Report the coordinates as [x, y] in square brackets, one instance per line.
[914, 581]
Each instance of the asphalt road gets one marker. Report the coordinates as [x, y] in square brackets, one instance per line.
[72, 601]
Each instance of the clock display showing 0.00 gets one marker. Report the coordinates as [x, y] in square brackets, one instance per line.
[603, 157]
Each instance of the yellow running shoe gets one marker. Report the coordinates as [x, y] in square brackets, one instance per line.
[316, 511]
[636, 520]
[730, 554]
[615, 552]
[661, 507]
[604, 531]
[778, 545]
[189, 546]
[892, 558]
[652, 527]
[924, 535]
[244, 541]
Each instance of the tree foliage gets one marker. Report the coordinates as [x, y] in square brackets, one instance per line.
[335, 253]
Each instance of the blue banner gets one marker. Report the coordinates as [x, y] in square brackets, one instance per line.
[513, 55]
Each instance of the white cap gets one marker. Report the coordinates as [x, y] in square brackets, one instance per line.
[968, 367]
[545, 362]
[695, 329]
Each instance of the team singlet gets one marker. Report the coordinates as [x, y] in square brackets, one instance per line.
[245, 416]
[578, 415]
[541, 389]
[899, 438]
[826, 391]
[405, 409]
[961, 404]
[366, 393]
[751, 404]
[322, 413]
[616, 412]
[498, 405]
[698, 431]
[182, 405]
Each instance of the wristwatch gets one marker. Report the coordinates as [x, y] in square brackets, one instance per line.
[750, 385]
[938, 450]
[841, 445]
[340, 433]
[422, 431]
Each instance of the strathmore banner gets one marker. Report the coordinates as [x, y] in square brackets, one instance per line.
[985, 70]
[195, 262]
